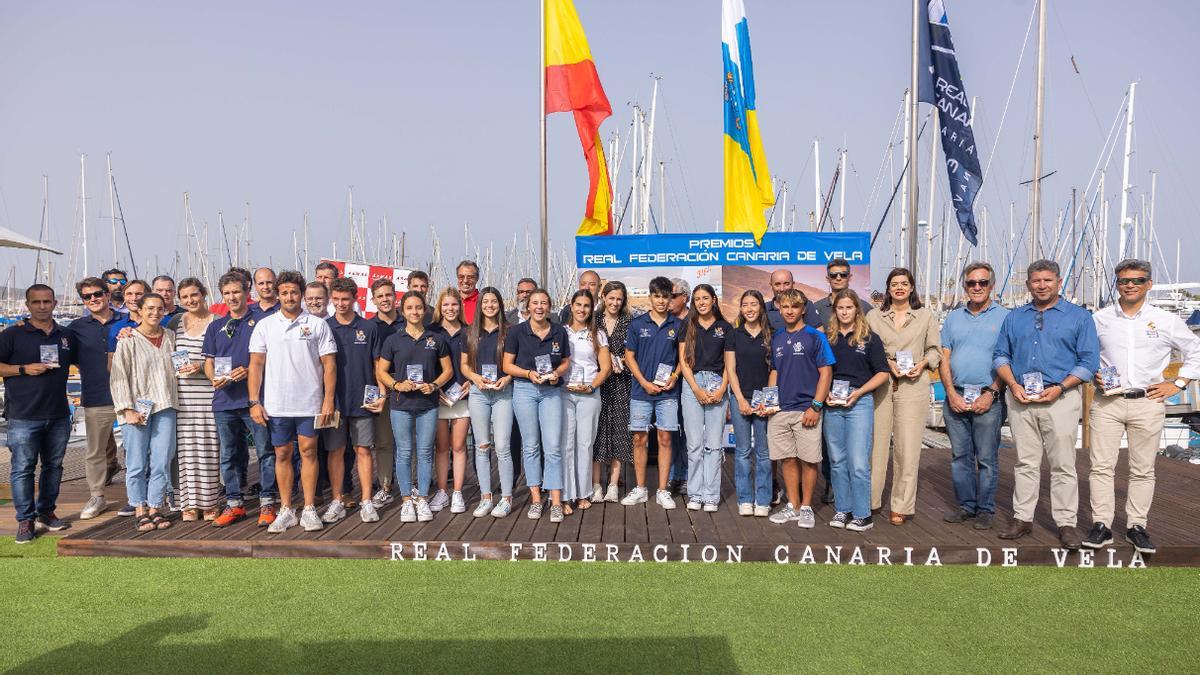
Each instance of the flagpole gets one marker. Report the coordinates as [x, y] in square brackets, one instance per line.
[545, 268]
[911, 216]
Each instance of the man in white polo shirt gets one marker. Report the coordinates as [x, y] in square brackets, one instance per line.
[294, 369]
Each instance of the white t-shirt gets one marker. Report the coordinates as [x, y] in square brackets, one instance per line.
[293, 381]
[583, 355]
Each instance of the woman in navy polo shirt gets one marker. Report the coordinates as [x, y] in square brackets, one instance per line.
[413, 364]
[537, 354]
[454, 419]
[490, 401]
[861, 367]
[748, 367]
[702, 354]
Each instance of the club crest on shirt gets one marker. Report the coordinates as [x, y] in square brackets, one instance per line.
[430, 343]
[719, 331]
[1151, 330]
[644, 332]
[671, 333]
[250, 322]
[555, 348]
[861, 349]
[797, 347]
[66, 344]
[360, 337]
[305, 332]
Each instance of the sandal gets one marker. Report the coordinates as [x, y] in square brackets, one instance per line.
[898, 518]
[584, 504]
[160, 523]
[144, 524]
[190, 515]
[211, 514]
[566, 508]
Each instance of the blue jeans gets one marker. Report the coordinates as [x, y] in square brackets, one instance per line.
[31, 441]
[750, 438]
[232, 427]
[414, 430]
[663, 414]
[149, 448]
[539, 412]
[492, 411]
[848, 434]
[974, 450]
[703, 427]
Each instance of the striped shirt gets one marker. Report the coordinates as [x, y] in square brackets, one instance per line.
[141, 370]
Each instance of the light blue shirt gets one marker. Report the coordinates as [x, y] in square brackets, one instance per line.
[971, 339]
[1061, 342]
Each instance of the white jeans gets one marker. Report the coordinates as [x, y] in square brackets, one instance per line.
[580, 422]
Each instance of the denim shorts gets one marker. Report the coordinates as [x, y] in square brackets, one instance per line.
[664, 414]
[284, 430]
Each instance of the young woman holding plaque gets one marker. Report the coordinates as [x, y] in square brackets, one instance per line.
[454, 419]
[490, 402]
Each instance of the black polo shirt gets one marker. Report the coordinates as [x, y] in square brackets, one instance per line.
[91, 344]
[36, 397]
[385, 329]
[710, 346]
[857, 364]
[258, 312]
[457, 344]
[485, 351]
[750, 358]
[401, 350]
[358, 345]
[525, 346]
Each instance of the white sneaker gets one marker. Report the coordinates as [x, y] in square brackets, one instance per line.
[309, 519]
[367, 511]
[694, 504]
[807, 519]
[424, 513]
[745, 509]
[664, 499]
[484, 508]
[637, 495]
[333, 513]
[611, 495]
[440, 501]
[710, 508]
[95, 506]
[597, 492]
[457, 503]
[285, 519]
[761, 511]
[408, 512]
[503, 508]
[383, 497]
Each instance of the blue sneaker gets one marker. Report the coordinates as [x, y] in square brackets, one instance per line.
[127, 510]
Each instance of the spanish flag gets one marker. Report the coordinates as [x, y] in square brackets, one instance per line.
[573, 85]
[748, 189]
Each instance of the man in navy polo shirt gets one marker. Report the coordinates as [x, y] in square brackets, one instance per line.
[653, 341]
[91, 342]
[268, 296]
[35, 356]
[802, 368]
[358, 345]
[229, 338]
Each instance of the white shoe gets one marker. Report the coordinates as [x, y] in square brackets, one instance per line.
[785, 515]
[710, 508]
[309, 519]
[285, 519]
[382, 497]
[440, 501]
[457, 503]
[484, 508]
[95, 506]
[503, 508]
[408, 512]
[807, 519]
[424, 513]
[597, 492]
[694, 504]
[333, 513]
[368, 512]
[637, 495]
[762, 511]
[745, 509]
[611, 495]
[664, 499]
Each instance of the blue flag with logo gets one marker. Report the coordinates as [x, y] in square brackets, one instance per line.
[940, 83]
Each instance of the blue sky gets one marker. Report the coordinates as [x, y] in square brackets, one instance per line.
[430, 111]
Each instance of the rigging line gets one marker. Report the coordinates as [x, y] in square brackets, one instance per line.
[1083, 84]
[896, 189]
[124, 227]
[1011, 87]
[1171, 160]
[679, 158]
[883, 162]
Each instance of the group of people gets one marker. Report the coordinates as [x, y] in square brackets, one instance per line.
[835, 387]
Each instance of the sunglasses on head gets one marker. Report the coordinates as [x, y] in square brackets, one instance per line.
[96, 295]
[115, 281]
[977, 283]
[838, 275]
[1134, 281]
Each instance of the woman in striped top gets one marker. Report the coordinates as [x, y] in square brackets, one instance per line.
[196, 440]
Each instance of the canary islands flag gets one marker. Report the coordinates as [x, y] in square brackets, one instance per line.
[572, 85]
[748, 189]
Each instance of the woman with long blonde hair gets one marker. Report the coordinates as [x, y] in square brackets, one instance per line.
[454, 416]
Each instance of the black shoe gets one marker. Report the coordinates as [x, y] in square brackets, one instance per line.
[1137, 536]
[24, 532]
[860, 524]
[827, 498]
[52, 522]
[673, 487]
[984, 520]
[683, 487]
[958, 515]
[1099, 536]
[127, 510]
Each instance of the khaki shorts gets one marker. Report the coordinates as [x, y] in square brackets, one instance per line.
[787, 437]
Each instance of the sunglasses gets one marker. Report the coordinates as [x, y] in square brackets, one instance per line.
[117, 282]
[977, 283]
[1132, 281]
[1039, 322]
[838, 275]
[230, 326]
[93, 296]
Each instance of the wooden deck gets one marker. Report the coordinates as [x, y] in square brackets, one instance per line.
[614, 532]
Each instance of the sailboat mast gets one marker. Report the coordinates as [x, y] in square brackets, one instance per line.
[648, 170]
[1150, 220]
[817, 184]
[906, 226]
[83, 209]
[112, 206]
[911, 214]
[1125, 221]
[1035, 222]
[841, 194]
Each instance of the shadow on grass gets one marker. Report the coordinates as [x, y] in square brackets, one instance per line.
[163, 645]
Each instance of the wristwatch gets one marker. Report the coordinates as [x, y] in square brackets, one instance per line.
[1181, 383]
[993, 391]
[20, 370]
[816, 405]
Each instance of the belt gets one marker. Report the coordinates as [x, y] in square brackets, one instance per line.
[1133, 393]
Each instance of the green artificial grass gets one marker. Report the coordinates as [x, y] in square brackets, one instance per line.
[213, 615]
